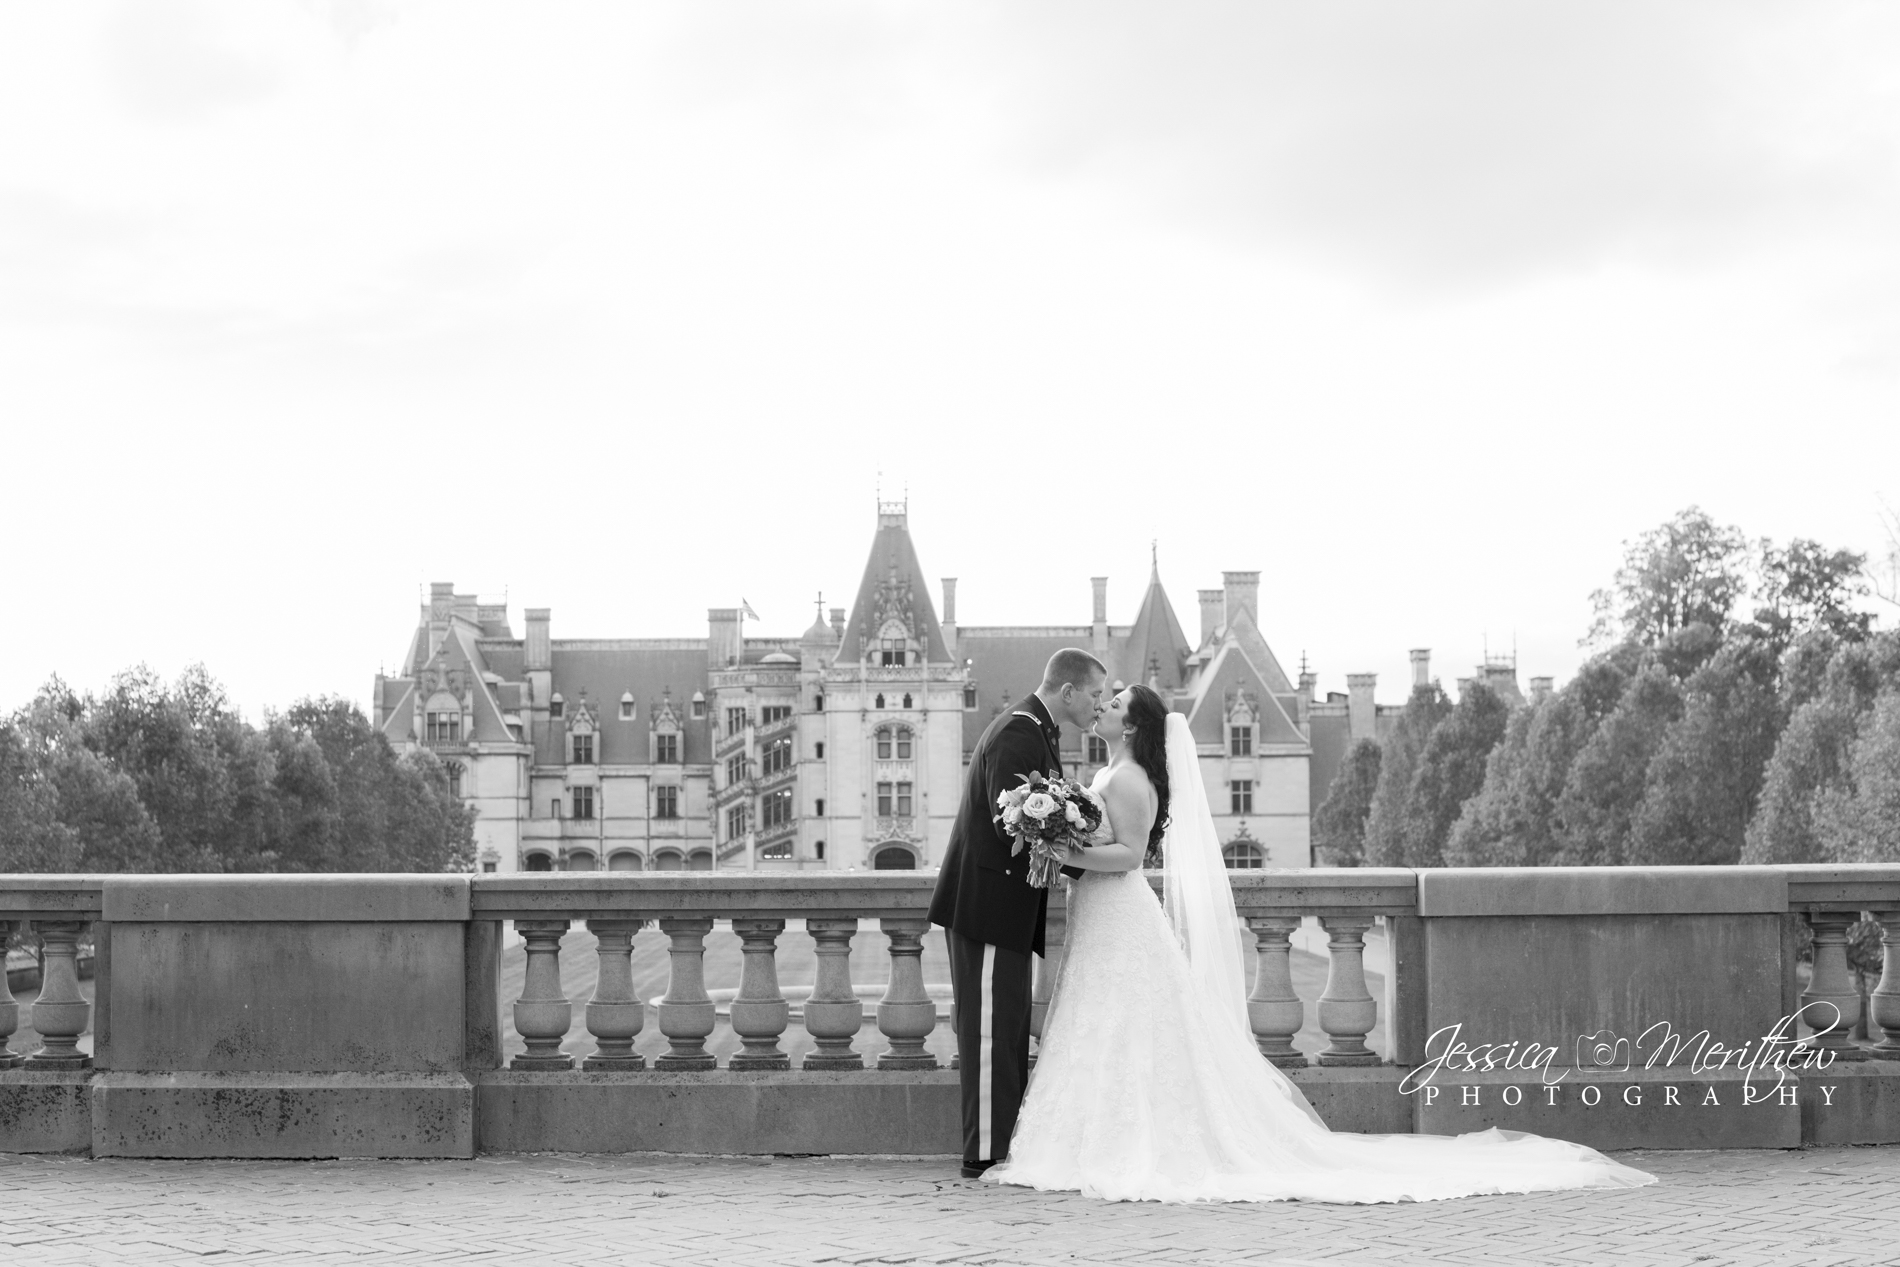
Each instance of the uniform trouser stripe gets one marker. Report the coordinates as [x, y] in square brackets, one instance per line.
[992, 1024]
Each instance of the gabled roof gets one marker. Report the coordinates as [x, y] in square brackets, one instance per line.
[1231, 670]
[1007, 664]
[893, 581]
[1242, 629]
[1156, 638]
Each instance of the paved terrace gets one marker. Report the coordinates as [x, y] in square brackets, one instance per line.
[1817, 1207]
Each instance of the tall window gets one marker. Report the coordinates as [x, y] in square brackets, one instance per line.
[777, 757]
[666, 802]
[774, 712]
[1240, 792]
[818, 703]
[1098, 750]
[906, 699]
[880, 699]
[903, 743]
[626, 709]
[666, 749]
[903, 800]
[883, 743]
[818, 849]
[583, 749]
[820, 810]
[969, 697]
[892, 654]
[445, 728]
[735, 769]
[777, 808]
[735, 720]
[583, 802]
[699, 704]
[735, 822]
[884, 800]
[455, 778]
[1240, 741]
[818, 750]
[557, 707]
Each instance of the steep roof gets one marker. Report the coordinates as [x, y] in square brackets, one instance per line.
[1155, 638]
[1007, 664]
[602, 670]
[1231, 670]
[893, 583]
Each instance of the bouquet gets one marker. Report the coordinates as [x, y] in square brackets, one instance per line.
[1047, 816]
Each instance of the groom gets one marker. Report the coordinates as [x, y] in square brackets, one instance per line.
[992, 917]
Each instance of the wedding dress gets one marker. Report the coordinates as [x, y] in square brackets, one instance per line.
[1148, 1085]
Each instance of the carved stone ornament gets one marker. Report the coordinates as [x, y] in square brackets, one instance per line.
[892, 602]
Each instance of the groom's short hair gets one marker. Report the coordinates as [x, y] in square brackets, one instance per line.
[1071, 666]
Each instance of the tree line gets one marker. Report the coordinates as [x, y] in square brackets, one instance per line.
[1738, 707]
[151, 776]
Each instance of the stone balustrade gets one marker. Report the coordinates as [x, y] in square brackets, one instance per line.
[360, 1015]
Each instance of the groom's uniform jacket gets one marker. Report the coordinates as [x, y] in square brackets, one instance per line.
[982, 892]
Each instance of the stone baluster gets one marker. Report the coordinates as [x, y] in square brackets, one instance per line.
[1832, 983]
[1274, 1008]
[615, 1013]
[1055, 940]
[9, 1009]
[760, 1012]
[542, 1013]
[1885, 1002]
[1346, 1010]
[687, 1015]
[61, 1012]
[833, 1013]
[906, 1015]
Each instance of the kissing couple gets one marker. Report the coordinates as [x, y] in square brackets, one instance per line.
[1148, 1085]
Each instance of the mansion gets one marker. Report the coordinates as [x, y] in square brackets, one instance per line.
[845, 747]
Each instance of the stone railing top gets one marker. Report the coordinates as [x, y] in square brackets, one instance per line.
[1448, 891]
[749, 894]
[49, 896]
[1844, 886]
[167, 899]
[1307, 891]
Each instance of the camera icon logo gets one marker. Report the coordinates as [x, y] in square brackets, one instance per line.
[1603, 1052]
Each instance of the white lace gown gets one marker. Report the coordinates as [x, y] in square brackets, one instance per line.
[1136, 1096]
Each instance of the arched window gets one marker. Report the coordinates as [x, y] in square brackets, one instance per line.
[699, 860]
[540, 862]
[625, 860]
[894, 858]
[582, 860]
[669, 860]
[883, 737]
[907, 699]
[903, 737]
[880, 699]
[1242, 856]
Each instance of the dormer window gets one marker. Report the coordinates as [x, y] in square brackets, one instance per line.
[1240, 741]
[892, 654]
[969, 698]
[699, 706]
[443, 721]
[666, 749]
[626, 707]
[583, 750]
[557, 707]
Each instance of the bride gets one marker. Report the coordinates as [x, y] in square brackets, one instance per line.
[1148, 1085]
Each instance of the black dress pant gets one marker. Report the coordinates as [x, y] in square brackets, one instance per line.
[992, 991]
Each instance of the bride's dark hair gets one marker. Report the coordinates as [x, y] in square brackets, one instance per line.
[1148, 745]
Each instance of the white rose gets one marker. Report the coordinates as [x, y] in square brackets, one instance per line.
[1039, 805]
[1012, 816]
[1071, 813]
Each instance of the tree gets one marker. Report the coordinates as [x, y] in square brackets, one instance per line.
[1606, 782]
[1339, 825]
[161, 740]
[1858, 819]
[1804, 586]
[1450, 771]
[31, 836]
[1386, 823]
[1706, 777]
[1689, 570]
[1491, 829]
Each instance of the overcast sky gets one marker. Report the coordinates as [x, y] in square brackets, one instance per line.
[1419, 309]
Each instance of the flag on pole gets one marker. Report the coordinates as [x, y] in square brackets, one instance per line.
[745, 609]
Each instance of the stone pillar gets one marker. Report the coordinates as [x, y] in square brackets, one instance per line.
[1831, 1002]
[61, 1012]
[905, 1015]
[760, 1012]
[615, 1014]
[687, 1014]
[542, 1013]
[1346, 1010]
[1274, 1009]
[833, 1013]
[1886, 997]
[9, 1008]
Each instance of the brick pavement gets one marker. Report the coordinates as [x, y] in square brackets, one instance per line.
[1818, 1207]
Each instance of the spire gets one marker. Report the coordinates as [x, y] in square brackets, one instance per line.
[893, 591]
[1156, 645]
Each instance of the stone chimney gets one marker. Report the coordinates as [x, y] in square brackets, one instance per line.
[1309, 686]
[1210, 613]
[722, 636]
[1421, 667]
[1099, 632]
[539, 655]
[1540, 689]
[1362, 714]
[1240, 592]
[837, 622]
[949, 621]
